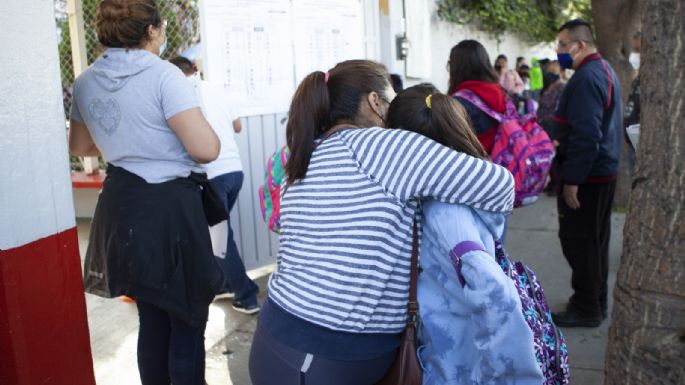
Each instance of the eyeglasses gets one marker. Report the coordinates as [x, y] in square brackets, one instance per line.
[562, 44]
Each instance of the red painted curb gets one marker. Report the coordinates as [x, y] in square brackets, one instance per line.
[83, 180]
[43, 323]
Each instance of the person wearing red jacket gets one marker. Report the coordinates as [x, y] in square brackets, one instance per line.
[469, 68]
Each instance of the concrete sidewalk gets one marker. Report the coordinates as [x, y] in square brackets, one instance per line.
[532, 238]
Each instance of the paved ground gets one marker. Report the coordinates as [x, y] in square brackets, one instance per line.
[532, 238]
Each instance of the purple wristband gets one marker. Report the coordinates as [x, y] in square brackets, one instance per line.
[460, 249]
[464, 247]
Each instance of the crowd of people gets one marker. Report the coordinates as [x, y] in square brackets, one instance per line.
[370, 167]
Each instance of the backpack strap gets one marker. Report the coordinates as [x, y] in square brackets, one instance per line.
[471, 96]
[458, 251]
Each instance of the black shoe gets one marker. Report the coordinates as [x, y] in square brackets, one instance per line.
[571, 318]
[244, 308]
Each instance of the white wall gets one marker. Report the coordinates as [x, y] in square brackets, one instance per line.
[443, 37]
[35, 192]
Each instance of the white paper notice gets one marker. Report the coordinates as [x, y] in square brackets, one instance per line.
[248, 48]
[325, 33]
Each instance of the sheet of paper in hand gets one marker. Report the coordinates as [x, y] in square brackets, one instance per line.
[219, 235]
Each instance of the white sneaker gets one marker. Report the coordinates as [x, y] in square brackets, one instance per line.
[226, 295]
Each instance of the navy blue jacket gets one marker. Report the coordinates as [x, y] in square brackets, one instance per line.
[589, 123]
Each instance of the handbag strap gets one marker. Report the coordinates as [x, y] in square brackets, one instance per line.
[413, 305]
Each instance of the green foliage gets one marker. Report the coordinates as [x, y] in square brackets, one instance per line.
[533, 20]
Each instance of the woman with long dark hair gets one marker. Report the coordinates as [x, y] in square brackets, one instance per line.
[337, 301]
[470, 69]
[149, 238]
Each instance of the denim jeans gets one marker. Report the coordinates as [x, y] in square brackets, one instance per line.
[169, 349]
[228, 186]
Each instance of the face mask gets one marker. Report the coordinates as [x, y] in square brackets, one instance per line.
[162, 47]
[549, 78]
[565, 60]
[634, 59]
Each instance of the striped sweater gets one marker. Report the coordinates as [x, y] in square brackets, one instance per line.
[346, 228]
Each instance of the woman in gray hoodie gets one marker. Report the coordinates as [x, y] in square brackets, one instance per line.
[149, 238]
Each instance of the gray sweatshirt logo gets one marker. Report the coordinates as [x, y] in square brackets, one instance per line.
[107, 114]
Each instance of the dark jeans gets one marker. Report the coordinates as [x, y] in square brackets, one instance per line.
[228, 186]
[169, 350]
[584, 235]
[273, 363]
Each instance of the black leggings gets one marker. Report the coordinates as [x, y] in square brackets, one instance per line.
[273, 363]
[170, 351]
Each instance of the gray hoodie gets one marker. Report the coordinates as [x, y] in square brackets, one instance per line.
[125, 99]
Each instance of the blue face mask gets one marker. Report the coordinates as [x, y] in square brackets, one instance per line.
[565, 60]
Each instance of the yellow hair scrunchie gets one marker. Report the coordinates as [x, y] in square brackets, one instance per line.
[428, 101]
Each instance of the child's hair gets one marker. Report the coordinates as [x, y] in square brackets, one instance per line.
[424, 110]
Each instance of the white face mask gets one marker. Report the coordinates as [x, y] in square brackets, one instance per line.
[162, 47]
[634, 59]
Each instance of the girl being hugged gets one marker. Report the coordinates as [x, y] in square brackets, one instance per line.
[337, 301]
[472, 327]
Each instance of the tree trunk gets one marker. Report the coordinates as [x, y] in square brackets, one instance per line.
[615, 23]
[647, 334]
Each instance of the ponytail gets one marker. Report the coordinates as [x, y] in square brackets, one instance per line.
[424, 110]
[309, 116]
[450, 118]
[324, 99]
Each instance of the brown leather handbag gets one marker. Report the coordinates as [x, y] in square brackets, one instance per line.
[406, 369]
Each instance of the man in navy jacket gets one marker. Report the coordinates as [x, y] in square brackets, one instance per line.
[589, 122]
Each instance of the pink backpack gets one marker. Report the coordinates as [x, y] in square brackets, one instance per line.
[521, 145]
[270, 192]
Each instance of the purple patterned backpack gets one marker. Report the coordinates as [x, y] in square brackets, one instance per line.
[550, 348]
[521, 145]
